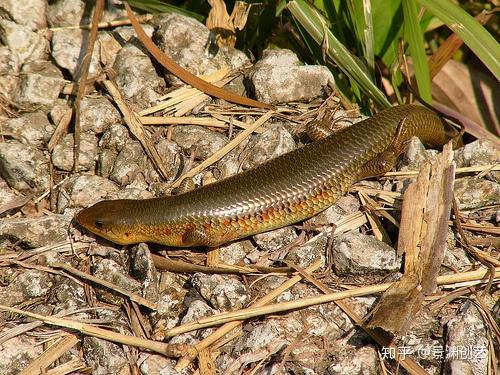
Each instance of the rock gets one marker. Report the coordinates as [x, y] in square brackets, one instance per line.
[62, 13]
[235, 252]
[224, 293]
[197, 309]
[28, 45]
[467, 343]
[128, 164]
[97, 114]
[18, 352]
[83, 191]
[344, 206]
[67, 45]
[25, 168]
[26, 285]
[104, 357]
[68, 297]
[273, 142]
[111, 271]
[115, 138]
[172, 157]
[39, 85]
[136, 77]
[480, 152]
[29, 13]
[184, 39]
[472, 192]
[143, 269]
[156, 364]
[63, 155]
[109, 48]
[358, 254]
[34, 231]
[270, 331]
[415, 156]
[31, 128]
[130, 193]
[355, 361]
[6, 194]
[275, 239]
[310, 252]
[279, 78]
[203, 142]
[9, 69]
[455, 259]
[105, 161]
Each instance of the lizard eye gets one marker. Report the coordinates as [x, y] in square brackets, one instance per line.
[99, 224]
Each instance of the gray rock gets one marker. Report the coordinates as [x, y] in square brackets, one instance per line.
[275, 239]
[472, 192]
[156, 364]
[310, 252]
[356, 361]
[67, 297]
[6, 193]
[184, 39]
[455, 259]
[273, 142]
[104, 357]
[270, 331]
[279, 78]
[359, 254]
[66, 13]
[344, 206]
[39, 85]
[97, 114]
[172, 157]
[115, 138]
[105, 161]
[223, 292]
[63, 153]
[34, 231]
[143, 269]
[467, 343]
[28, 45]
[415, 156]
[29, 13]
[136, 77]
[109, 270]
[109, 48]
[235, 252]
[67, 48]
[127, 32]
[480, 152]
[18, 353]
[9, 69]
[26, 285]
[130, 193]
[83, 191]
[24, 167]
[197, 309]
[203, 142]
[31, 128]
[128, 164]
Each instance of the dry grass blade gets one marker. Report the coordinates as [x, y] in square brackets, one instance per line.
[103, 25]
[98, 10]
[222, 331]
[54, 352]
[252, 312]
[224, 150]
[137, 130]
[463, 170]
[186, 76]
[169, 350]
[134, 297]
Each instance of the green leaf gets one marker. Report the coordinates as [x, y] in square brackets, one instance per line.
[313, 22]
[413, 35]
[475, 36]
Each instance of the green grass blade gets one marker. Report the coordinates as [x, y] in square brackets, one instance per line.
[413, 35]
[157, 6]
[313, 23]
[475, 36]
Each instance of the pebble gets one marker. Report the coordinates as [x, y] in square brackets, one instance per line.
[31, 232]
[28, 45]
[224, 293]
[30, 128]
[25, 286]
[105, 357]
[278, 77]
[97, 114]
[357, 254]
[29, 13]
[474, 193]
[24, 167]
[63, 153]
[203, 142]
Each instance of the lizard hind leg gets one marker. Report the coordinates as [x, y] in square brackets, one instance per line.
[386, 160]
